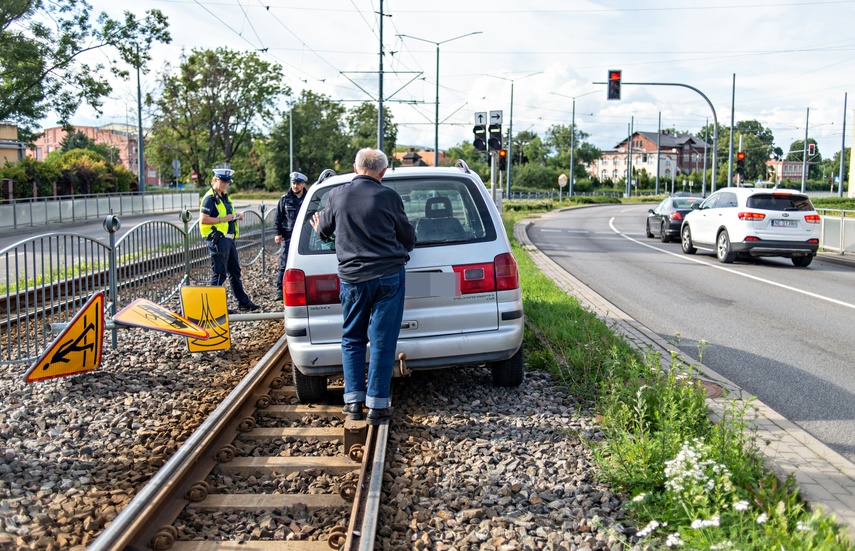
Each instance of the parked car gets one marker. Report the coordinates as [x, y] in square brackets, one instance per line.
[666, 219]
[463, 304]
[753, 222]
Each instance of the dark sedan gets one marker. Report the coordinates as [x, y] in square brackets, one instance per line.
[665, 220]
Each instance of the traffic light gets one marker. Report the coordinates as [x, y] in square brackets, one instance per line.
[614, 85]
[480, 141]
[503, 159]
[740, 165]
[811, 149]
[495, 141]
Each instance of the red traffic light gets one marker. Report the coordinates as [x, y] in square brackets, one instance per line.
[503, 153]
[740, 156]
[614, 75]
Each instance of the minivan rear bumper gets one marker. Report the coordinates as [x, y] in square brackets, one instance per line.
[472, 348]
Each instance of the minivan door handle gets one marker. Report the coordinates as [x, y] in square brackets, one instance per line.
[409, 325]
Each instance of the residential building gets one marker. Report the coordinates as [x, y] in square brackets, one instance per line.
[784, 171]
[11, 150]
[675, 155]
[122, 137]
[422, 157]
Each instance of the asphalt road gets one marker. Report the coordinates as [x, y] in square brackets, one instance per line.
[784, 334]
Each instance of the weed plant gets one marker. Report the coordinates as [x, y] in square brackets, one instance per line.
[689, 483]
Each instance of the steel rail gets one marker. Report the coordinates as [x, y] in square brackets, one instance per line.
[133, 520]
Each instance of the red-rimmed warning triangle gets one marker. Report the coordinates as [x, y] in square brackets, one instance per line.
[148, 315]
[77, 349]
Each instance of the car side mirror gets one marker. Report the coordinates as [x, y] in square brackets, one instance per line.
[696, 206]
[650, 211]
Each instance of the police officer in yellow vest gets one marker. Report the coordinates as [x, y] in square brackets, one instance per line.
[218, 224]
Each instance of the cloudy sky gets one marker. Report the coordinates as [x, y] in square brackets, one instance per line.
[792, 60]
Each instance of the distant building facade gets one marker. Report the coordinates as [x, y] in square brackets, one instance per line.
[120, 136]
[784, 171]
[675, 154]
[411, 157]
[11, 150]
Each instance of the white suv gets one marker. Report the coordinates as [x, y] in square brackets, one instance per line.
[463, 301]
[753, 222]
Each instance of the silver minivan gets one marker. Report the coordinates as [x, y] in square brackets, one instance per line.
[463, 303]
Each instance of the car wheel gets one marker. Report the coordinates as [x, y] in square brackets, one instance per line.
[647, 229]
[686, 241]
[802, 261]
[723, 250]
[509, 372]
[310, 389]
[663, 235]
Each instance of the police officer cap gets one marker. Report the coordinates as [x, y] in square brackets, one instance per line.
[224, 174]
[299, 177]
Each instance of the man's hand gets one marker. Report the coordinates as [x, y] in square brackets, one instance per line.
[316, 219]
[277, 238]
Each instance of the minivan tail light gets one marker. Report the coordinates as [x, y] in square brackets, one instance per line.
[476, 278]
[812, 218]
[312, 290]
[507, 275]
[751, 216]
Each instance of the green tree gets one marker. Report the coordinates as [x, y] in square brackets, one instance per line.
[362, 127]
[40, 58]
[474, 159]
[31, 178]
[559, 139]
[320, 141]
[212, 109]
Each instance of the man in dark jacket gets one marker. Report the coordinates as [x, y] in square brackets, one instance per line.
[286, 214]
[372, 240]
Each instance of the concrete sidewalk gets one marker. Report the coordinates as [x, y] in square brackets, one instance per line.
[826, 479]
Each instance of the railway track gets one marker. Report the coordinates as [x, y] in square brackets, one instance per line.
[291, 477]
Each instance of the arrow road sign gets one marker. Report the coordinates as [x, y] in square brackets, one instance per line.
[495, 117]
[481, 117]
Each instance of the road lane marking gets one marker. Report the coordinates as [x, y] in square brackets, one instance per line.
[730, 270]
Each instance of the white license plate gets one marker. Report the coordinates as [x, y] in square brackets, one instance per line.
[785, 223]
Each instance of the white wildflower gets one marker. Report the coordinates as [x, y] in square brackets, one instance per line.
[762, 518]
[740, 506]
[639, 497]
[673, 540]
[802, 527]
[651, 526]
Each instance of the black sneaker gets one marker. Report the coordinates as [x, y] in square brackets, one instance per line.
[249, 306]
[353, 411]
[379, 416]
[279, 295]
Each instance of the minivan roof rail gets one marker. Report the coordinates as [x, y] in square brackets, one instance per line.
[325, 174]
[461, 164]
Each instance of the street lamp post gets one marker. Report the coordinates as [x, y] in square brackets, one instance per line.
[436, 126]
[572, 139]
[511, 128]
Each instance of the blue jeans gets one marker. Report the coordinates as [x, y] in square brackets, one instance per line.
[372, 312]
[225, 264]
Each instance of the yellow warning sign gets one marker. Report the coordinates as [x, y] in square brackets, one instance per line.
[207, 307]
[78, 347]
[148, 315]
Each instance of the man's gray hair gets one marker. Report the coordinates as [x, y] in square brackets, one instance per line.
[373, 160]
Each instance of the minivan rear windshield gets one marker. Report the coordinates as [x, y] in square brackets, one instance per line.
[442, 211]
[779, 202]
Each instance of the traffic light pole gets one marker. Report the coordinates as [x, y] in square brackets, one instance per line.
[715, 118]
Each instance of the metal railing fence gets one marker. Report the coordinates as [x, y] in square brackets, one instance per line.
[48, 278]
[837, 230]
[72, 208]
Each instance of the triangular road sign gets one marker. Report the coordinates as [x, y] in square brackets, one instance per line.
[149, 315]
[77, 349]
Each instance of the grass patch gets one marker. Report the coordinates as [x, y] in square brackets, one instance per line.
[689, 483]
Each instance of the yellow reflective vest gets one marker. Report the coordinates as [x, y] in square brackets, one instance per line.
[223, 227]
